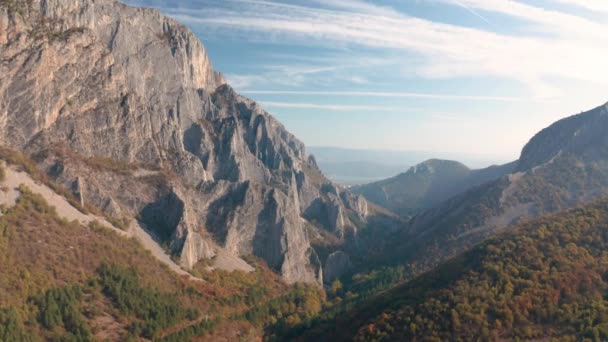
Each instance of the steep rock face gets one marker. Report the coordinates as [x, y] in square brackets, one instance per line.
[337, 264]
[86, 83]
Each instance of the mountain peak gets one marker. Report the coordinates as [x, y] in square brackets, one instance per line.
[583, 135]
[433, 166]
[426, 185]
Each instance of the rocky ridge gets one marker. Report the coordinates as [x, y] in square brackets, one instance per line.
[122, 105]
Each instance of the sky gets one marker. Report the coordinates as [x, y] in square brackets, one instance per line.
[474, 77]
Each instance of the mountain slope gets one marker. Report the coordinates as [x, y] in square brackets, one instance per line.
[15, 179]
[571, 170]
[582, 135]
[543, 280]
[69, 275]
[121, 106]
[426, 185]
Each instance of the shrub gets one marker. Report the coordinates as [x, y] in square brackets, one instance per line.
[12, 328]
[199, 329]
[60, 307]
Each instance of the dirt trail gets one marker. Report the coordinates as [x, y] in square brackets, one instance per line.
[10, 194]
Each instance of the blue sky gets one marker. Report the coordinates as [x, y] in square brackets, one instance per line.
[475, 77]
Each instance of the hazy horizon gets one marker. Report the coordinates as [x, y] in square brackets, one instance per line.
[359, 166]
[410, 157]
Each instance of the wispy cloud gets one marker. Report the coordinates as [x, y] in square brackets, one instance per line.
[387, 95]
[358, 6]
[472, 11]
[557, 23]
[558, 45]
[330, 107]
[291, 70]
[573, 48]
[594, 5]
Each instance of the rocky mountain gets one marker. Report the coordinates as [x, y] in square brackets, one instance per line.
[121, 105]
[563, 166]
[426, 185]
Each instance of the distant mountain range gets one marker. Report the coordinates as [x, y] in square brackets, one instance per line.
[563, 166]
[359, 166]
[428, 184]
[454, 208]
[492, 262]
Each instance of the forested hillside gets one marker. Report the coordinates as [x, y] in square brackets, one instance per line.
[545, 279]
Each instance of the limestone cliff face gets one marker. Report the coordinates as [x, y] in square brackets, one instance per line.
[89, 80]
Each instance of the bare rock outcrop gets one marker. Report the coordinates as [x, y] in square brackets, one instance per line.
[124, 102]
[337, 264]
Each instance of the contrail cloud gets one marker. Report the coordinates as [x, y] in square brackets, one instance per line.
[472, 11]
